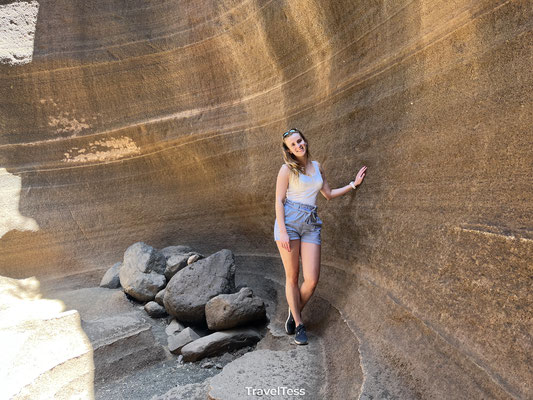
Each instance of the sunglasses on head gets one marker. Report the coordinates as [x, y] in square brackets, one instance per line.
[290, 131]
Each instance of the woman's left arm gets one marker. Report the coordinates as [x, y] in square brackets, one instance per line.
[329, 193]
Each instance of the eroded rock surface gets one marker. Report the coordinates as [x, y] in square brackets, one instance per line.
[122, 344]
[45, 353]
[271, 374]
[17, 31]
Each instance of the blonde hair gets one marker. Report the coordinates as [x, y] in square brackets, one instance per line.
[290, 160]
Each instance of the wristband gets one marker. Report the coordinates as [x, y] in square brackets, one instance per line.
[352, 184]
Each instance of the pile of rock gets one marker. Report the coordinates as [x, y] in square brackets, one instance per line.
[197, 291]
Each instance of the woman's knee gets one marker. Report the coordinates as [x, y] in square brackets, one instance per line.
[291, 280]
[311, 283]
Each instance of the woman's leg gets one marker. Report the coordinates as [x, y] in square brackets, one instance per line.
[291, 263]
[311, 270]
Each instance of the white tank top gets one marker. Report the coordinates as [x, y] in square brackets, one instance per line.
[303, 188]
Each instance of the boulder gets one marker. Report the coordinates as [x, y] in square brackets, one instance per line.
[176, 342]
[227, 311]
[111, 279]
[218, 343]
[159, 297]
[174, 327]
[173, 250]
[141, 274]
[155, 310]
[191, 288]
[176, 263]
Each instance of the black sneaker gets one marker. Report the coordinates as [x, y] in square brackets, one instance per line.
[290, 325]
[301, 336]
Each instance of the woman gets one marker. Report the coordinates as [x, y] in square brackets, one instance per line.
[297, 227]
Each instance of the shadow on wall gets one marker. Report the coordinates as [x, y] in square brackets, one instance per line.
[45, 353]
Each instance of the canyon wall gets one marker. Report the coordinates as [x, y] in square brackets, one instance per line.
[161, 122]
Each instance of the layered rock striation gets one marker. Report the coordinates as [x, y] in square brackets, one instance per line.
[161, 122]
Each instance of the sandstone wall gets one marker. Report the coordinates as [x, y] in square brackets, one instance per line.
[161, 122]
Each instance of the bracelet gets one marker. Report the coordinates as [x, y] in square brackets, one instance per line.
[352, 184]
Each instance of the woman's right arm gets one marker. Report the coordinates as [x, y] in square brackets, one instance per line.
[281, 191]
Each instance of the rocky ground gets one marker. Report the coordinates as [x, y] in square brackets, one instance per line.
[132, 360]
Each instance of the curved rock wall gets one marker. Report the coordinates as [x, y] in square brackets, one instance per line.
[161, 122]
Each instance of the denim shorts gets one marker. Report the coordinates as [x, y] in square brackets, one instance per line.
[302, 222]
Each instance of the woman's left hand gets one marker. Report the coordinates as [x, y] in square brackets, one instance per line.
[360, 176]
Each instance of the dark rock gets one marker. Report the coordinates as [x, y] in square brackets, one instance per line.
[159, 297]
[173, 250]
[218, 343]
[145, 258]
[227, 311]
[191, 288]
[176, 342]
[111, 280]
[141, 274]
[174, 327]
[155, 310]
[176, 263]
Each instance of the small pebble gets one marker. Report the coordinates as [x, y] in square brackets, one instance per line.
[193, 258]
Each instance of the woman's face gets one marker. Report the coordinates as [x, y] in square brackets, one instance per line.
[296, 144]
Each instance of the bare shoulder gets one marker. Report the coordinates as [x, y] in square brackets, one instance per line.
[284, 170]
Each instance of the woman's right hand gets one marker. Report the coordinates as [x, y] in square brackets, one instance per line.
[284, 241]
[360, 176]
